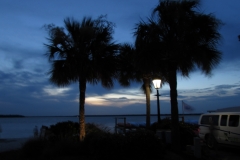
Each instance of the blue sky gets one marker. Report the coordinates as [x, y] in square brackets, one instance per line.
[24, 85]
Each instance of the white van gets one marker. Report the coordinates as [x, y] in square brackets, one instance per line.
[220, 127]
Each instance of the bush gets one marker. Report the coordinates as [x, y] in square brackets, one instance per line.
[65, 130]
[92, 128]
[187, 133]
[164, 125]
[70, 130]
[186, 130]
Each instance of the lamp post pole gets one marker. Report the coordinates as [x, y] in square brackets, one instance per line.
[158, 107]
[157, 85]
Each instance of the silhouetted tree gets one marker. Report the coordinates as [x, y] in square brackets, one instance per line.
[187, 40]
[84, 53]
[139, 64]
[147, 61]
[131, 72]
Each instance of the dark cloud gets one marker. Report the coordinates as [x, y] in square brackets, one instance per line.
[123, 98]
[18, 64]
[4, 75]
[226, 86]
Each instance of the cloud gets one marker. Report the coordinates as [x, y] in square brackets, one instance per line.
[53, 91]
[206, 93]
[124, 98]
[96, 95]
[114, 100]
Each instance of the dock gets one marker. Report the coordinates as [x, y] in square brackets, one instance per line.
[122, 126]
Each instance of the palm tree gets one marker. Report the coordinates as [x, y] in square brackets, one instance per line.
[129, 71]
[83, 54]
[188, 40]
[137, 64]
[145, 59]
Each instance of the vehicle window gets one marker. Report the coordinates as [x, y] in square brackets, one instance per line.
[233, 120]
[223, 120]
[205, 120]
[210, 119]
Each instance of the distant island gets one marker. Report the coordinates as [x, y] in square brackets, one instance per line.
[10, 116]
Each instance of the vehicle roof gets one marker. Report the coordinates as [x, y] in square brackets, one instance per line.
[229, 109]
[221, 113]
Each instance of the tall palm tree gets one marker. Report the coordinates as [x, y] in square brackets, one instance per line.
[84, 54]
[188, 40]
[145, 58]
[137, 64]
[129, 71]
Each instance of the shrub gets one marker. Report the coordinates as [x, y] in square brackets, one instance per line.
[186, 130]
[165, 125]
[70, 130]
[65, 130]
[92, 128]
[187, 133]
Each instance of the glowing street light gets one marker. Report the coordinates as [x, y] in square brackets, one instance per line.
[157, 85]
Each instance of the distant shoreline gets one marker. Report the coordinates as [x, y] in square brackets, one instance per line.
[11, 116]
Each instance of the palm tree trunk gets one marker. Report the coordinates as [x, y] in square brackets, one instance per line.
[174, 110]
[82, 89]
[146, 82]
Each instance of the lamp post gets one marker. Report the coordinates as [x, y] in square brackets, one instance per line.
[157, 85]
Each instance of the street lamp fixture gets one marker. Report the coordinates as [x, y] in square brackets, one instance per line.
[157, 85]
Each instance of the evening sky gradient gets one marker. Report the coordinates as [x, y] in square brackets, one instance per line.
[24, 84]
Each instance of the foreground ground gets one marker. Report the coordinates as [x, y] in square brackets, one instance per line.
[10, 149]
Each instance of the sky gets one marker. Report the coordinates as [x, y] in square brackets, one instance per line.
[25, 88]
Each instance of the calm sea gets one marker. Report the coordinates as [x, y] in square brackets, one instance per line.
[23, 127]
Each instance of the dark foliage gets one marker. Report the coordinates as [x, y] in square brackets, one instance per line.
[65, 130]
[187, 131]
[95, 128]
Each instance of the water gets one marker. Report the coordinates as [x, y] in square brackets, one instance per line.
[23, 127]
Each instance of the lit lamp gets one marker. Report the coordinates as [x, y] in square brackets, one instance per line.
[157, 85]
